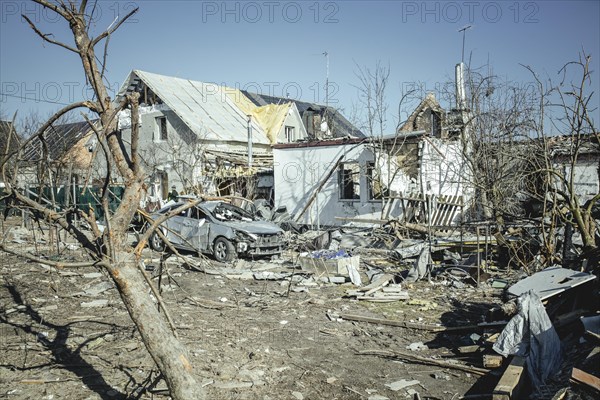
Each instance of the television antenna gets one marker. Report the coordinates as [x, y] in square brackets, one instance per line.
[464, 30]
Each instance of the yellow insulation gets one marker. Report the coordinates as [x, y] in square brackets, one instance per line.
[270, 117]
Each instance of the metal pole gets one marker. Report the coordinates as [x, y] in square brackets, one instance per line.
[326, 54]
[478, 257]
[249, 140]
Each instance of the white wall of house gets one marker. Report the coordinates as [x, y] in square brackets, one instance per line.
[177, 154]
[293, 121]
[585, 178]
[299, 170]
[444, 170]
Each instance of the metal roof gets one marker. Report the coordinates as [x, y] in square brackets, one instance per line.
[5, 128]
[204, 107]
[60, 139]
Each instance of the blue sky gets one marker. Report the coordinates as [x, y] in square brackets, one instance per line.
[276, 46]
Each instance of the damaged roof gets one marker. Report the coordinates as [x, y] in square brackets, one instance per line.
[6, 128]
[205, 108]
[342, 127]
[64, 142]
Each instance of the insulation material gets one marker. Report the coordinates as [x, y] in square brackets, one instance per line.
[270, 117]
[79, 155]
[530, 334]
[124, 116]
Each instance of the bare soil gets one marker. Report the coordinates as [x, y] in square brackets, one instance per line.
[248, 339]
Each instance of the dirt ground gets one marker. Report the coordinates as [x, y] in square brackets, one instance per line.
[66, 335]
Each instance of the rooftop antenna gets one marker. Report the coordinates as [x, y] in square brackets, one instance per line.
[464, 30]
[326, 54]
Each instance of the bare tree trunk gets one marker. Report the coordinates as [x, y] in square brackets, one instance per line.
[168, 353]
[111, 249]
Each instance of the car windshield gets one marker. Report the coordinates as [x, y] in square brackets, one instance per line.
[228, 212]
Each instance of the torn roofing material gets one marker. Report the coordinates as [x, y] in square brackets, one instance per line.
[60, 141]
[205, 108]
[550, 282]
[6, 128]
[343, 127]
[271, 116]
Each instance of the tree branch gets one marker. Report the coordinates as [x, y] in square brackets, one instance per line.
[62, 12]
[56, 264]
[46, 38]
[110, 30]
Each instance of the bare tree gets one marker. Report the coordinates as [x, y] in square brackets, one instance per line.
[498, 117]
[109, 249]
[372, 96]
[568, 108]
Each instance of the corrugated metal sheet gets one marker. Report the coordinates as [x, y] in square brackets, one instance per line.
[204, 107]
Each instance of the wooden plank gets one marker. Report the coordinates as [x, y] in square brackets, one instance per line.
[377, 284]
[511, 382]
[423, 360]
[424, 327]
[364, 220]
[492, 360]
[318, 189]
[583, 377]
[442, 211]
[469, 349]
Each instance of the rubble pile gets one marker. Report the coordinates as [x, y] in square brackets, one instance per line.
[462, 318]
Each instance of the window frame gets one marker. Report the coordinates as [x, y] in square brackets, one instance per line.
[290, 129]
[162, 128]
[343, 182]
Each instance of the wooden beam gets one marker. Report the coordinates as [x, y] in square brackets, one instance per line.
[511, 382]
[318, 189]
[414, 325]
[583, 377]
[423, 360]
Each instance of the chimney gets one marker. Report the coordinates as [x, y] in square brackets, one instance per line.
[460, 86]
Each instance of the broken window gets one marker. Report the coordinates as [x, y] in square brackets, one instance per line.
[161, 125]
[349, 181]
[290, 134]
[375, 185]
[436, 124]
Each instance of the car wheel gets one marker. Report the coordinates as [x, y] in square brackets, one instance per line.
[223, 250]
[156, 243]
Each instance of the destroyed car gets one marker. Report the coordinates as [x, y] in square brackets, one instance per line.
[218, 228]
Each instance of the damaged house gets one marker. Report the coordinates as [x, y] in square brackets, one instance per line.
[9, 142]
[336, 181]
[205, 138]
[60, 165]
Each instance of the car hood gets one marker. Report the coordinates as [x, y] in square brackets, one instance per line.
[258, 227]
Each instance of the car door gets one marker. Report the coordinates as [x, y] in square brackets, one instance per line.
[195, 230]
[175, 225]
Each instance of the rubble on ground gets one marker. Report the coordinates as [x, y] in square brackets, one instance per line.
[386, 312]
